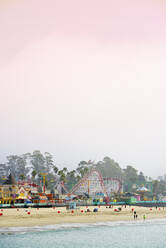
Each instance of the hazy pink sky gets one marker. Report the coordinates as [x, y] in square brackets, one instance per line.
[84, 79]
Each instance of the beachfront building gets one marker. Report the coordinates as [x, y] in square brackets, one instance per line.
[11, 192]
[8, 191]
[24, 195]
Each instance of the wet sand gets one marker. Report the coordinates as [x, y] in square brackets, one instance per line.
[50, 216]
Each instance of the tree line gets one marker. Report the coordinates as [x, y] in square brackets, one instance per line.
[31, 165]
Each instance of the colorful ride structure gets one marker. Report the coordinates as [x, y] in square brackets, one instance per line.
[61, 188]
[93, 184]
[112, 185]
[44, 180]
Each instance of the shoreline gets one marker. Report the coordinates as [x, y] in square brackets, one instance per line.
[63, 226]
[44, 217]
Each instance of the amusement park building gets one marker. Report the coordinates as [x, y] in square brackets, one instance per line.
[8, 191]
[12, 192]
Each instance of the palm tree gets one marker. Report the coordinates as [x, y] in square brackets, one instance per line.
[34, 173]
[22, 177]
[64, 169]
[55, 169]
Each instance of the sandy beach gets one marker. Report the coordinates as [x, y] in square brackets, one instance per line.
[50, 216]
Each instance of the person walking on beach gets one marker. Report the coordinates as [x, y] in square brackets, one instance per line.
[144, 217]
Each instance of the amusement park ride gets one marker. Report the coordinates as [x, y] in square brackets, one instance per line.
[91, 185]
[44, 181]
[94, 184]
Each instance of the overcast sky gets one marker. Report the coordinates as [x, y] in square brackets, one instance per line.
[83, 80]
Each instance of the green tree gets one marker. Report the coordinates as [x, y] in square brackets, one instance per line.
[34, 173]
[22, 176]
[62, 176]
[141, 178]
[55, 168]
[38, 162]
[17, 165]
[49, 163]
[65, 170]
[83, 168]
[109, 168]
[130, 177]
[71, 179]
[155, 185]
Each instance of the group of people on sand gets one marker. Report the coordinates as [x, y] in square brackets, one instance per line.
[136, 216]
[118, 210]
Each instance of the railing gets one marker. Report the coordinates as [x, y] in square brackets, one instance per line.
[139, 203]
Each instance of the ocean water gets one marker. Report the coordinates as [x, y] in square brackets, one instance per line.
[138, 234]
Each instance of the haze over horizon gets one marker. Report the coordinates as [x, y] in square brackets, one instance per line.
[84, 80]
